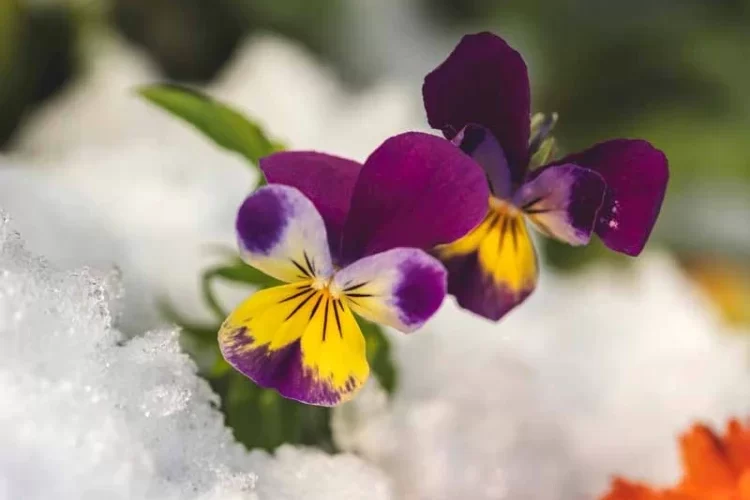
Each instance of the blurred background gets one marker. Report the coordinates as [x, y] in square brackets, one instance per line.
[94, 176]
[674, 72]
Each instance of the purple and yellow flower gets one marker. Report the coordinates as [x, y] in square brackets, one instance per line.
[346, 239]
[480, 98]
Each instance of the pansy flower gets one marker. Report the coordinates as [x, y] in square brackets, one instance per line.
[479, 98]
[346, 239]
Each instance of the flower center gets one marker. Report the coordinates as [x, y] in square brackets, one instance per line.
[326, 286]
[501, 207]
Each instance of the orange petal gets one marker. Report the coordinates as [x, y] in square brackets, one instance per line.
[743, 487]
[716, 468]
[624, 490]
[737, 444]
[704, 458]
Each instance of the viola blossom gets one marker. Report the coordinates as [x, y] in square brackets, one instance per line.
[479, 97]
[346, 239]
[715, 467]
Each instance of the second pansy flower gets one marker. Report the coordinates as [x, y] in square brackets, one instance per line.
[479, 97]
[346, 238]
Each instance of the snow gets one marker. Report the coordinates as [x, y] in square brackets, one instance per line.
[595, 376]
[86, 414]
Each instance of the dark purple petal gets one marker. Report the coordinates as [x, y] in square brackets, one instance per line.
[494, 268]
[563, 202]
[636, 174]
[281, 369]
[401, 288]
[415, 190]
[476, 291]
[280, 232]
[479, 143]
[484, 82]
[328, 181]
[297, 340]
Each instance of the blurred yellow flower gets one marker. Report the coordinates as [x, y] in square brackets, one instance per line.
[727, 283]
[715, 468]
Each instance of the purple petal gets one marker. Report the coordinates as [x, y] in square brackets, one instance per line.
[298, 341]
[401, 288]
[484, 82]
[494, 268]
[636, 174]
[415, 190]
[328, 181]
[563, 202]
[479, 143]
[477, 292]
[281, 233]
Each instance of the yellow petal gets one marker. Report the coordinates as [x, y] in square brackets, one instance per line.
[299, 340]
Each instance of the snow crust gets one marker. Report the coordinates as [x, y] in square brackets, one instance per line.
[87, 414]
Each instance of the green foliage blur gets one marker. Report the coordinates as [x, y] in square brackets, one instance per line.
[37, 56]
[190, 40]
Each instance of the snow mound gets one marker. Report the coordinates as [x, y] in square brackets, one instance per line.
[86, 414]
[595, 376]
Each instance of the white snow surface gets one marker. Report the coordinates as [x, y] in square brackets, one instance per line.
[86, 414]
[595, 376]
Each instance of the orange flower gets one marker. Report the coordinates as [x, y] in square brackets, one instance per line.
[716, 468]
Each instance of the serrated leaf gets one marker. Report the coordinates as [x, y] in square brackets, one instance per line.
[227, 127]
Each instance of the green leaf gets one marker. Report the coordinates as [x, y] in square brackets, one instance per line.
[261, 418]
[238, 272]
[228, 128]
[379, 354]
